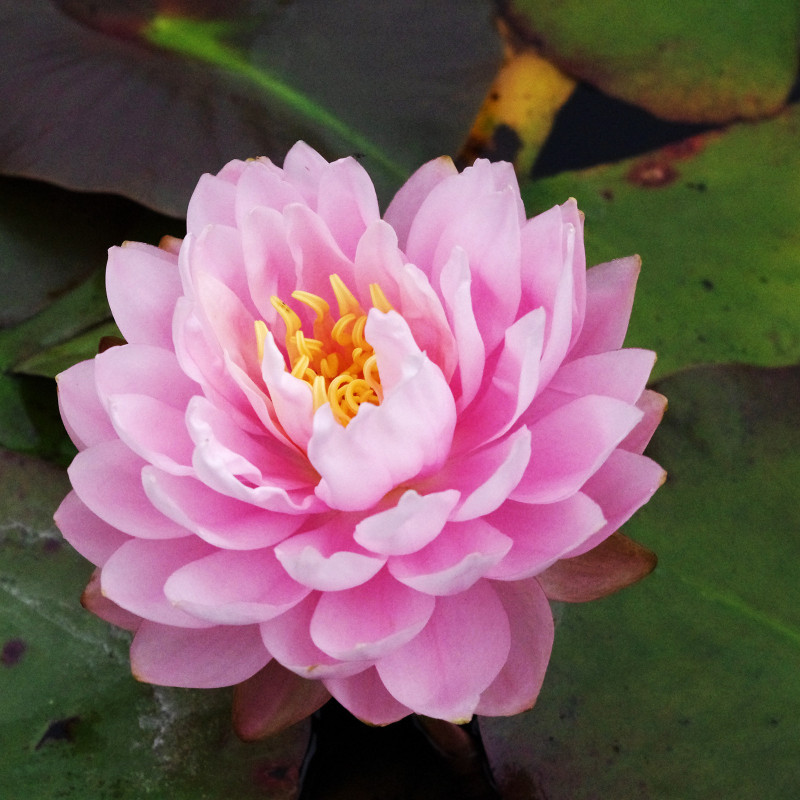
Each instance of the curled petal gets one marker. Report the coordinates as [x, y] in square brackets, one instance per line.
[462, 554]
[322, 558]
[415, 521]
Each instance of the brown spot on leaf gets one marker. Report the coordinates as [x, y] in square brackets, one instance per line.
[13, 650]
[652, 174]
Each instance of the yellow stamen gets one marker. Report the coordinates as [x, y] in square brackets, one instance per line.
[261, 336]
[347, 302]
[338, 363]
[378, 298]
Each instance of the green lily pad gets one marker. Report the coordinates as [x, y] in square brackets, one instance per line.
[714, 219]
[73, 721]
[159, 92]
[686, 685]
[688, 60]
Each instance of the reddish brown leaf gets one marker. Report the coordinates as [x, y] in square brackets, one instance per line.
[616, 563]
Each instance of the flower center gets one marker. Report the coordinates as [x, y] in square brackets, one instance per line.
[338, 363]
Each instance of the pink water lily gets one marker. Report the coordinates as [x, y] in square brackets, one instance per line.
[349, 455]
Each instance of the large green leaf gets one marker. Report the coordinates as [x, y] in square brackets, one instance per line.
[141, 98]
[686, 687]
[715, 221]
[688, 60]
[73, 721]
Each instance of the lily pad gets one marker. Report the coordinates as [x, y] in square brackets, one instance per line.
[687, 60]
[73, 721]
[686, 685]
[141, 98]
[714, 219]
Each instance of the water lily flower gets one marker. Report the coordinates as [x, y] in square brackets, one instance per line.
[348, 455]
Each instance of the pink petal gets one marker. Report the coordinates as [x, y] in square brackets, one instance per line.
[107, 478]
[287, 638]
[197, 659]
[212, 203]
[544, 533]
[269, 263]
[424, 314]
[368, 621]
[653, 405]
[93, 600]
[517, 686]
[219, 520]
[377, 258]
[487, 477]
[272, 700]
[143, 370]
[291, 397]
[135, 575]
[406, 203]
[327, 559]
[143, 285]
[84, 417]
[415, 521]
[316, 253]
[234, 587]
[304, 167]
[620, 487]
[94, 539]
[618, 373]
[488, 231]
[217, 255]
[456, 286]
[347, 203]
[569, 445]
[153, 430]
[514, 383]
[263, 187]
[365, 696]
[407, 435]
[609, 299]
[444, 669]
[462, 554]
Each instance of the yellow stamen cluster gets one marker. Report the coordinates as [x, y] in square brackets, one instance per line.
[338, 363]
